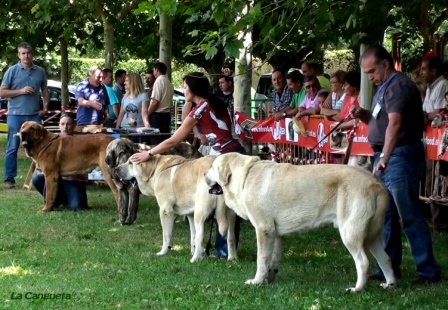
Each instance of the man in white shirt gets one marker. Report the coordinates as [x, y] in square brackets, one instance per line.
[161, 101]
[432, 71]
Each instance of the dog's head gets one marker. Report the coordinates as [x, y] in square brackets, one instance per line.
[220, 174]
[30, 133]
[118, 152]
[125, 172]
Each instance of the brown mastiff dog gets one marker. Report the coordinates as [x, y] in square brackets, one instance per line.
[118, 152]
[60, 156]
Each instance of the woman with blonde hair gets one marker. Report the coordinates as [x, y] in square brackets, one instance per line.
[134, 105]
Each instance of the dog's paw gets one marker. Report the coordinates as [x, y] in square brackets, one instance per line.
[387, 286]
[163, 251]
[196, 259]
[44, 210]
[232, 258]
[352, 290]
[254, 282]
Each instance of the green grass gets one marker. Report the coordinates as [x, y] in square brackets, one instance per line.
[103, 265]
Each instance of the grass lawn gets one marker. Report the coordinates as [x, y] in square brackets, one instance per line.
[97, 264]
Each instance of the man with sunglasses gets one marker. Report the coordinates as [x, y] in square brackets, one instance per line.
[310, 105]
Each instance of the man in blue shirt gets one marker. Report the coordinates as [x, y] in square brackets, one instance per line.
[91, 99]
[22, 84]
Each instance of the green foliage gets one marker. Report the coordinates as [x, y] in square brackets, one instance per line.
[339, 60]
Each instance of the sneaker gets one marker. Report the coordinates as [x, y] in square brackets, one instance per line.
[426, 280]
[10, 185]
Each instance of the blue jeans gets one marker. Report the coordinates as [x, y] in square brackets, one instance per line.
[402, 177]
[14, 123]
[73, 193]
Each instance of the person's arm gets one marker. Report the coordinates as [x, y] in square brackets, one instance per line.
[363, 114]
[11, 93]
[45, 100]
[179, 136]
[433, 114]
[145, 116]
[309, 111]
[120, 116]
[329, 112]
[282, 114]
[116, 109]
[392, 136]
[153, 106]
[327, 103]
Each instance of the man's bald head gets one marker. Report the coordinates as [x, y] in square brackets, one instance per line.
[66, 125]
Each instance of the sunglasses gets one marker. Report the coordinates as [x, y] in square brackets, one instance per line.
[314, 85]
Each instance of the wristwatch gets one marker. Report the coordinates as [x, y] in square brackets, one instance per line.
[284, 114]
[382, 155]
[150, 153]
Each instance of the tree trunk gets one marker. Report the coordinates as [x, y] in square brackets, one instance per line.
[64, 72]
[108, 43]
[166, 41]
[242, 81]
[366, 86]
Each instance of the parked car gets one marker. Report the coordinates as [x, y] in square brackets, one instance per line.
[53, 116]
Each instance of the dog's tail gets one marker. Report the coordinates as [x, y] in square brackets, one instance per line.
[381, 202]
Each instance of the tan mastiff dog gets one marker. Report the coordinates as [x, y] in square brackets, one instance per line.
[179, 187]
[60, 156]
[117, 153]
[281, 199]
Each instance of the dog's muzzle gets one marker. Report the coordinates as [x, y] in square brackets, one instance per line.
[215, 189]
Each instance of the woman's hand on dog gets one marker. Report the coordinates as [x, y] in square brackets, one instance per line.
[140, 157]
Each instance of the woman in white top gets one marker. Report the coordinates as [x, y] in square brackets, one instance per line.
[135, 104]
[335, 100]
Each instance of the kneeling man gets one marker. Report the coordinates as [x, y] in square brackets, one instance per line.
[71, 189]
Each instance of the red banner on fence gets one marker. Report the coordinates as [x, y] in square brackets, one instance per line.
[270, 131]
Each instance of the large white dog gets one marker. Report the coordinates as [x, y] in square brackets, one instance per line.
[179, 187]
[280, 199]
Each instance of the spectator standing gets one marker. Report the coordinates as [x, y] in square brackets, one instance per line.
[113, 103]
[432, 70]
[150, 80]
[282, 94]
[91, 98]
[22, 84]
[395, 133]
[134, 107]
[71, 189]
[225, 92]
[120, 76]
[161, 101]
[311, 68]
